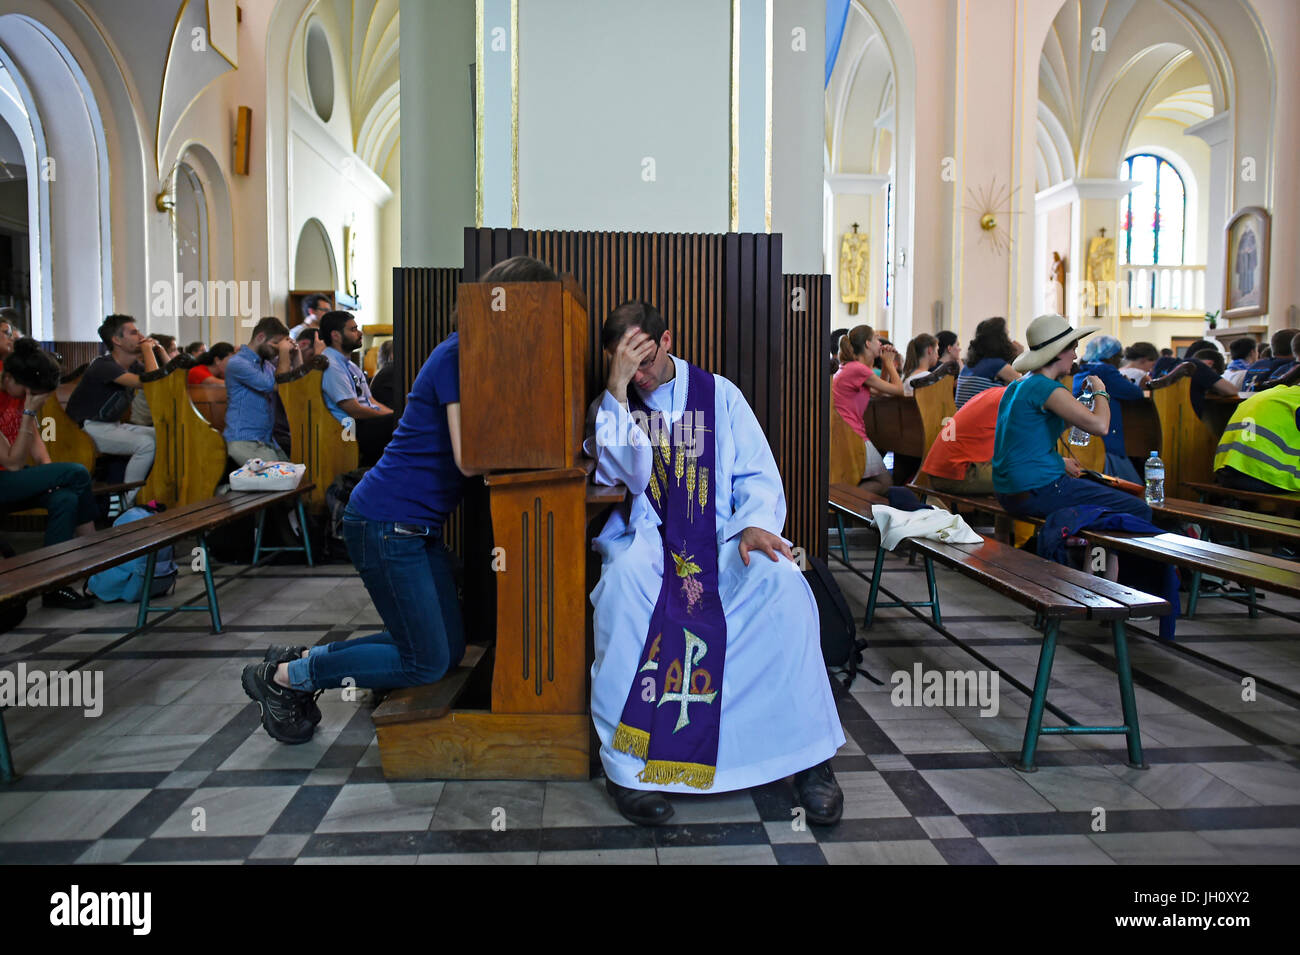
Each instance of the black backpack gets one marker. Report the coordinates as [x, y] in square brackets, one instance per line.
[841, 646]
[337, 496]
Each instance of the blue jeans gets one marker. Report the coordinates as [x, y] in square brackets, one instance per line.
[62, 489]
[1073, 492]
[408, 575]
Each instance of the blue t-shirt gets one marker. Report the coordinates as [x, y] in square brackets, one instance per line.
[1024, 448]
[1262, 371]
[978, 377]
[417, 481]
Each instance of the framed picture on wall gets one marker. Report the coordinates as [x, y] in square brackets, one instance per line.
[1245, 275]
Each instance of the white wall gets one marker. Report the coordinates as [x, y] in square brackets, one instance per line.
[604, 86]
[798, 72]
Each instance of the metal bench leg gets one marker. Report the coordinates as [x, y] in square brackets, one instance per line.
[1250, 597]
[7, 774]
[934, 591]
[1034, 724]
[257, 536]
[844, 542]
[1193, 593]
[145, 594]
[1127, 698]
[306, 541]
[213, 610]
[875, 585]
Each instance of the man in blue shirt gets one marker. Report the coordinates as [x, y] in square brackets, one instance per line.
[346, 393]
[1266, 368]
[250, 392]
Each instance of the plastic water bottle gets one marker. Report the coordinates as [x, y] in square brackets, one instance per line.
[1078, 437]
[1155, 475]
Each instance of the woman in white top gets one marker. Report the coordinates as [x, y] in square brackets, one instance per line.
[922, 357]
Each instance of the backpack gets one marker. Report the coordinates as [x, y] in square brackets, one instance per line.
[337, 496]
[126, 581]
[841, 647]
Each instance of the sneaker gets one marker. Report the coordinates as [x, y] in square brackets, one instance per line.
[65, 598]
[277, 653]
[281, 707]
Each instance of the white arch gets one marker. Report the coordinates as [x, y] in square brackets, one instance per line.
[313, 241]
[27, 131]
[71, 176]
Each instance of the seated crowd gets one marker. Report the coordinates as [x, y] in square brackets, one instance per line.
[1013, 404]
[108, 404]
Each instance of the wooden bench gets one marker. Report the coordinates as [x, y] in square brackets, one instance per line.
[1286, 503]
[1246, 567]
[28, 575]
[318, 440]
[1055, 593]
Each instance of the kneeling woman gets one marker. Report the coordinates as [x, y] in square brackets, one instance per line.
[393, 529]
[1029, 474]
[30, 376]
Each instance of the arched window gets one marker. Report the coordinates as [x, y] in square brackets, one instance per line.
[1152, 225]
[889, 243]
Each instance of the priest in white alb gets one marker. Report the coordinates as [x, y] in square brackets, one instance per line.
[708, 675]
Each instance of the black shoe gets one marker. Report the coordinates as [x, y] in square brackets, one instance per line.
[642, 806]
[282, 708]
[818, 792]
[277, 653]
[65, 598]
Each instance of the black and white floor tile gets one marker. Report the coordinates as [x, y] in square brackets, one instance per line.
[177, 768]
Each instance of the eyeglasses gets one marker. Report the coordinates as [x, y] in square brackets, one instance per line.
[649, 362]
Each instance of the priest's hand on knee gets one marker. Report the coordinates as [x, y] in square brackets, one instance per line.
[757, 539]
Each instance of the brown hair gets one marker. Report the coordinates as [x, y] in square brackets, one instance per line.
[992, 341]
[1282, 342]
[855, 342]
[916, 348]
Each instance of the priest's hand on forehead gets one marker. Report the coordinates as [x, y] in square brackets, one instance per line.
[633, 349]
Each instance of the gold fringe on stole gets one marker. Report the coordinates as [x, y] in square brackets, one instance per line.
[632, 741]
[662, 773]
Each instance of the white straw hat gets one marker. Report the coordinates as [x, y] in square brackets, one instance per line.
[1046, 337]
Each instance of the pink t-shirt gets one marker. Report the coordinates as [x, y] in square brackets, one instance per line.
[850, 395]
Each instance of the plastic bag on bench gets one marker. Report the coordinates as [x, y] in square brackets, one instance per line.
[126, 581]
[259, 475]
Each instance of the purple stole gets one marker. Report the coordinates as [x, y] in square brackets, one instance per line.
[671, 717]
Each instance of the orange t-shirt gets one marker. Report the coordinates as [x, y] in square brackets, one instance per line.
[970, 440]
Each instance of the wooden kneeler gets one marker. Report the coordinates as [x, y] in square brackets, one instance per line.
[518, 711]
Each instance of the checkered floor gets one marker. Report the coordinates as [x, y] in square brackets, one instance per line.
[178, 769]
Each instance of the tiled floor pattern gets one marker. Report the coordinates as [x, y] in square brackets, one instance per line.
[178, 769]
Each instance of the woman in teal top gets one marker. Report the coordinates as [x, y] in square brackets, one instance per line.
[1030, 476]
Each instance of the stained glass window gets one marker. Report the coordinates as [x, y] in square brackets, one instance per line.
[1152, 214]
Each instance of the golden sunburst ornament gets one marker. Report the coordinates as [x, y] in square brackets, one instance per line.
[992, 204]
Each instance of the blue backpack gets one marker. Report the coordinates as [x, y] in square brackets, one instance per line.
[126, 581]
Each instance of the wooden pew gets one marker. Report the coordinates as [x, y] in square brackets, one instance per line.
[1188, 443]
[317, 439]
[936, 402]
[1142, 433]
[894, 424]
[848, 453]
[64, 439]
[190, 459]
[209, 400]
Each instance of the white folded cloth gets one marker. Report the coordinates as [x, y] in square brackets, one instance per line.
[931, 523]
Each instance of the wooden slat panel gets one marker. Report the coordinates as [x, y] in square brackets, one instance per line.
[728, 307]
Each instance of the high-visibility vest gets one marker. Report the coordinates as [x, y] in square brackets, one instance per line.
[1261, 439]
